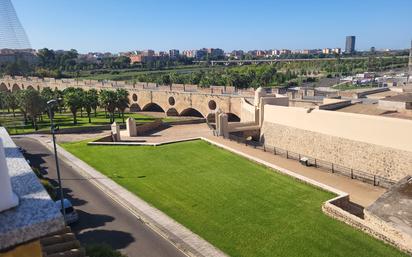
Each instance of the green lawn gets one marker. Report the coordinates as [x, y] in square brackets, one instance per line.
[15, 125]
[242, 208]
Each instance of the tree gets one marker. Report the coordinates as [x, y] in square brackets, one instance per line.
[88, 103]
[73, 100]
[12, 102]
[94, 100]
[31, 103]
[108, 99]
[47, 94]
[122, 100]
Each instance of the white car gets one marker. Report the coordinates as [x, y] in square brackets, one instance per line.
[71, 214]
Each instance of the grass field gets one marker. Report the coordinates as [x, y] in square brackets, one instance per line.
[15, 125]
[240, 207]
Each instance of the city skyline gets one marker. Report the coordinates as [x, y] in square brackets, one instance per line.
[87, 27]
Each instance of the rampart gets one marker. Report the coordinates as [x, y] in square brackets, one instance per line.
[377, 145]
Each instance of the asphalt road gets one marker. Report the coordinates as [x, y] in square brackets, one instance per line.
[101, 220]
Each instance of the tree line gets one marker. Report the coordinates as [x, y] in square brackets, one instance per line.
[33, 104]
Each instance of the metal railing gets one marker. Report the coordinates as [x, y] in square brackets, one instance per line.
[318, 163]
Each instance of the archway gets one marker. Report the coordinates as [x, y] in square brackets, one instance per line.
[231, 117]
[15, 88]
[30, 87]
[172, 112]
[152, 107]
[3, 87]
[134, 108]
[191, 113]
[211, 117]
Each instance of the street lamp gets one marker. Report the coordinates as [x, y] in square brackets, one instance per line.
[50, 105]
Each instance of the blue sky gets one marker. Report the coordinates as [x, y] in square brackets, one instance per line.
[120, 25]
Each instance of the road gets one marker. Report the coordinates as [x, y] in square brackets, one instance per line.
[101, 220]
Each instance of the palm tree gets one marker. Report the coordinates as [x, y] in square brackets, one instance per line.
[31, 104]
[89, 103]
[48, 94]
[94, 100]
[11, 101]
[108, 99]
[73, 100]
[123, 101]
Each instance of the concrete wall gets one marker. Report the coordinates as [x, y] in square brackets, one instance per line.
[248, 112]
[334, 104]
[376, 145]
[394, 105]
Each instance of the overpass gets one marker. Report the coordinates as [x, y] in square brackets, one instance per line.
[289, 60]
[174, 99]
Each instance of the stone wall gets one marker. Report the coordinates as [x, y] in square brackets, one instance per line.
[370, 225]
[374, 159]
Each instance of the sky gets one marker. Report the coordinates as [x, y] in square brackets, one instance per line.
[124, 25]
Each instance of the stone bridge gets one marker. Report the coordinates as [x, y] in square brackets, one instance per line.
[174, 100]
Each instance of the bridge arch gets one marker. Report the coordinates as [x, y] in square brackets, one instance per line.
[3, 87]
[191, 112]
[30, 87]
[15, 88]
[172, 112]
[231, 117]
[152, 107]
[134, 107]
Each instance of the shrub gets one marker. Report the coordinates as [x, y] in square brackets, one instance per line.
[51, 190]
[37, 171]
[102, 250]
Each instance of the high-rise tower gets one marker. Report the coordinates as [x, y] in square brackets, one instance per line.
[350, 44]
[12, 34]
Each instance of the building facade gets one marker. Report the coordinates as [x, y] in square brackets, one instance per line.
[350, 44]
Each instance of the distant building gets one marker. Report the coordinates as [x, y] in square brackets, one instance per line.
[174, 53]
[373, 49]
[260, 53]
[410, 64]
[326, 51]
[189, 53]
[237, 54]
[148, 52]
[12, 55]
[162, 54]
[215, 52]
[275, 52]
[337, 50]
[350, 44]
[200, 54]
[285, 51]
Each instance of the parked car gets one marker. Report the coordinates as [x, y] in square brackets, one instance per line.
[71, 214]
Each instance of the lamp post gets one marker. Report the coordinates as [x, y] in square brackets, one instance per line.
[50, 105]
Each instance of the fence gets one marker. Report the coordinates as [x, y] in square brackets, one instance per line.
[320, 164]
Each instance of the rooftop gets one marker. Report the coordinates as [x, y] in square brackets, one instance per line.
[36, 215]
[395, 206]
[406, 97]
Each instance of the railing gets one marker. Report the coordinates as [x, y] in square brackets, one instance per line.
[320, 164]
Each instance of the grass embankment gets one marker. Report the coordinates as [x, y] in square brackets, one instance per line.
[15, 125]
[240, 207]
